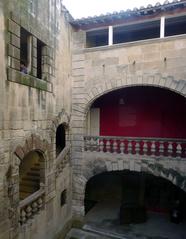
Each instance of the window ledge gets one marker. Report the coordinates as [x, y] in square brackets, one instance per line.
[28, 80]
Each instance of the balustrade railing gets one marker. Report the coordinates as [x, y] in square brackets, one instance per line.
[131, 145]
[31, 205]
[62, 159]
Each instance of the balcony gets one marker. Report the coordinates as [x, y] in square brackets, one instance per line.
[155, 147]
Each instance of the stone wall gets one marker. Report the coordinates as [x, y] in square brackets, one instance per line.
[97, 71]
[30, 112]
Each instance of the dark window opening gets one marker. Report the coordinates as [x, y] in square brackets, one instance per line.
[60, 139]
[136, 32]
[25, 53]
[63, 198]
[97, 38]
[175, 26]
[40, 46]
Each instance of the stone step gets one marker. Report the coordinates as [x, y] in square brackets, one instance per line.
[29, 189]
[28, 183]
[84, 234]
[35, 169]
[31, 178]
[33, 173]
[23, 195]
[103, 233]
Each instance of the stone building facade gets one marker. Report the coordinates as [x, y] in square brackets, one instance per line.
[70, 65]
[32, 108]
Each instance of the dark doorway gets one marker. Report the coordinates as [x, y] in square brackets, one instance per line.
[116, 200]
[60, 139]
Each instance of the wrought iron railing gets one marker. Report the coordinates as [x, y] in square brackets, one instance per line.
[131, 145]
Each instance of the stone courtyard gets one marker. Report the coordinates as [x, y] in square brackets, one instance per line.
[92, 109]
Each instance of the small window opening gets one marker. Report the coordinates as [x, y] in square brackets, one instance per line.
[40, 46]
[136, 32]
[175, 26]
[97, 38]
[60, 139]
[32, 6]
[63, 198]
[25, 51]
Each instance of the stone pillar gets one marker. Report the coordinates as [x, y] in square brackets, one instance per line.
[110, 40]
[162, 27]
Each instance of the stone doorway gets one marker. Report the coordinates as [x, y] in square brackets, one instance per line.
[135, 205]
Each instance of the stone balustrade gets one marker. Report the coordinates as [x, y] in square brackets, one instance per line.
[62, 159]
[31, 205]
[141, 146]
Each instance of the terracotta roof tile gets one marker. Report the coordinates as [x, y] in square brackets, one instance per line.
[148, 10]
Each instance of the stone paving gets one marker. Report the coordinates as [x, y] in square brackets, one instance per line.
[102, 223]
[105, 217]
[81, 234]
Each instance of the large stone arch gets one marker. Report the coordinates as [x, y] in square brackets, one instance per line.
[98, 166]
[32, 143]
[156, 80]
[79, 112]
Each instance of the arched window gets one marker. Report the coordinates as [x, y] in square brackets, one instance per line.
[60, 139]
[63, 198]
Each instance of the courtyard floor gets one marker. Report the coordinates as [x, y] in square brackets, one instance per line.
[102, 222]
[104, 217]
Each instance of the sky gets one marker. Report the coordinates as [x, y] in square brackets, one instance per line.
[85, 8]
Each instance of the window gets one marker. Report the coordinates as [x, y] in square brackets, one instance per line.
[32, 7]
[25, 51]
[136, 32]
[63, 197]
[175, 26]
[40, 46]
[97, 38]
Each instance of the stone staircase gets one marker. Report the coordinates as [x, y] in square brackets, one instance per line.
[30, 182]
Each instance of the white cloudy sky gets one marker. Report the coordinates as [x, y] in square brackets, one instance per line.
[84, 8]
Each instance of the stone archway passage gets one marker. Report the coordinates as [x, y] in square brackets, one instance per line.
[141, 111]
[31, 174]
[31, 162]
[115, 199]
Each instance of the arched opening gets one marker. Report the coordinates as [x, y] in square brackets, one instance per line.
[60, 139]
[139, 111]
[135, 203]
[31, 174]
